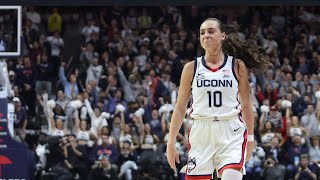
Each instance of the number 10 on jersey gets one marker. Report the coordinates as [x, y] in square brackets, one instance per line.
[215, 98]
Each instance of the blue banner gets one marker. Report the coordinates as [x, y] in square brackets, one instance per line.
[15, 158]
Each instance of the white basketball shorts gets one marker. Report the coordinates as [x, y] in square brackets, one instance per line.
[216, 144]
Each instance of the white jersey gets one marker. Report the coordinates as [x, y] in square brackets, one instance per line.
[57, 132]
[83, 135]
[214, 91]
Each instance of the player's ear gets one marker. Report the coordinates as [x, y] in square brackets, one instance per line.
[223, 36]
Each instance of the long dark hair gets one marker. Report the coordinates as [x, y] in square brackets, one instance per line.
[252, 55]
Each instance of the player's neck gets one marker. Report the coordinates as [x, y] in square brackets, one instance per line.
[214, 57]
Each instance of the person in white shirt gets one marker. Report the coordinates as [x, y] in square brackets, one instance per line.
[91, 27]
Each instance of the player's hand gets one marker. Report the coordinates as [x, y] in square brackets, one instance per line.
[172, 156]
[249, 150]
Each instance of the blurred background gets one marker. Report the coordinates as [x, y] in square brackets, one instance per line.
[96, 86]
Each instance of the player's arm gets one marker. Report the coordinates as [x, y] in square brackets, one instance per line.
[246, 105]
[182, 102]
[244, 93]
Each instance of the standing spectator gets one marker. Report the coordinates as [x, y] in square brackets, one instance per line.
[298, 83]
[83, 133]
[145, 20]
[44, 74]
[303, 67]
[27, 77]
[55, 119]
[125, 84]
[309, 121]
[285, 84]
[90, 28]
[314, 151]
[71, 89]
[56, 44]
[98, 119]
[35, 18]
[55, 21]
[157, 89]
[94, 71]
[21, 120]
[62, 100]
[87, 53]
[158, 126]
[177, 67]
[269, 78]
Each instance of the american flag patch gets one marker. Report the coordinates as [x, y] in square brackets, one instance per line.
[226, 73]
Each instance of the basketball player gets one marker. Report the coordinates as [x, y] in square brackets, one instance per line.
[221, 135]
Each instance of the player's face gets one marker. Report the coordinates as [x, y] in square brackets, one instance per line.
[211, 35]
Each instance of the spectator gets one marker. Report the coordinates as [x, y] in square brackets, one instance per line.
[276, 150]
[273, 170]
[304, 170]
[269, 78]
[103, 170]
[83, 133]
[129, 135]
[35, 18]
[270, 93]
[71, 89]
[255, 164]
[148, 144]
[27, 77]
[127, 161]
[90, 28]
[62, 100]
[56, 46]
[295, 150]
[158, 126]
[105, 149]
[56, 119]
[274, 116]
[21, 120]
[76, 157]
[145, 20]
[309, 121]
[98, 119]
[314, 151]
[44, 75]
[94, 70]
[132, 61]
[55, 21]
[295, 128]
[267, 132]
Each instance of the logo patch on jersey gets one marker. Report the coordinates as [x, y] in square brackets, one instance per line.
[226, 73]
[200, 76]
[191, 164]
